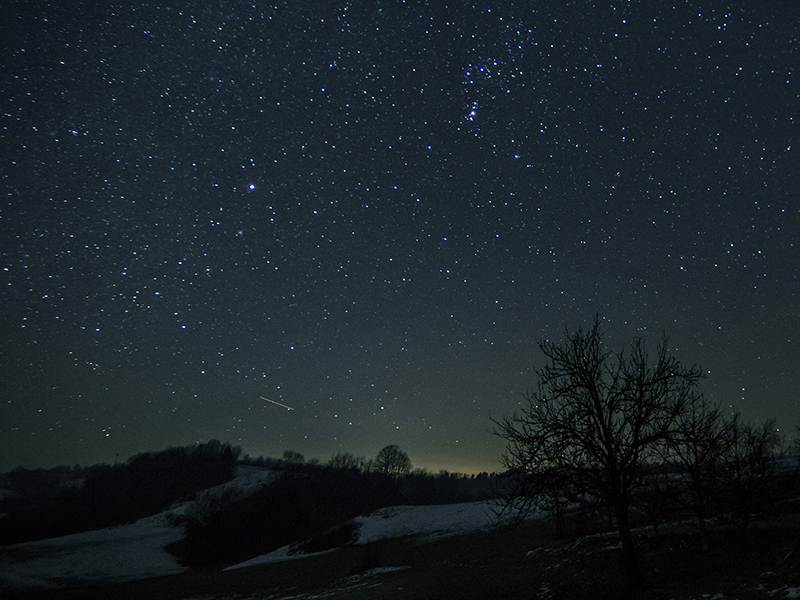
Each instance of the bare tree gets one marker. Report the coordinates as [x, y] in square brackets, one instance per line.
[698, 446]
[794, 447]
[594, 422]
[392, 461]
[345, 460]
[750, 468]
[364, 464]
[293, 457]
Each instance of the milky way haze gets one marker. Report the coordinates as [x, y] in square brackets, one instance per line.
[371, 212]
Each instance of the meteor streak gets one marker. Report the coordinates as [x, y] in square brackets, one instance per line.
[278, 403]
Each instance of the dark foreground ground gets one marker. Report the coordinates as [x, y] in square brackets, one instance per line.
[526, 562]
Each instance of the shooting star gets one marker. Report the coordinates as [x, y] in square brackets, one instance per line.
[278, 403]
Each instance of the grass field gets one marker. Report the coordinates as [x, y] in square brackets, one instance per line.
[526, 562]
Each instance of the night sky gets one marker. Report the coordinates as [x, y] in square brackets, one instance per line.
[371, 212]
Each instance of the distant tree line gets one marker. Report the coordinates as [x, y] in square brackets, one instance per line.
[412, 486]
[630, 436]
[391, 460]
[46, 503]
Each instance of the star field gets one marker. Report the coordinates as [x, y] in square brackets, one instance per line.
[371, 214]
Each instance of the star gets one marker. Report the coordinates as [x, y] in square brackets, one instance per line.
[431, 201]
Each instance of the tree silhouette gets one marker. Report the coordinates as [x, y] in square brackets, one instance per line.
[750, 468]
[594, 422]
[698, 446]
[293, 457]
[794, 447]
[392, 461]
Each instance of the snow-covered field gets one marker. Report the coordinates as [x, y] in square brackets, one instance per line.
[428, 522]
[122, 553]
[136, 551]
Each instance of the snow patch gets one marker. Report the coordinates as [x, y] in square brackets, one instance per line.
[123, 553]
[429, 522]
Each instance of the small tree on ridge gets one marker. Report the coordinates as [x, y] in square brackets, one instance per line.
[392, 461]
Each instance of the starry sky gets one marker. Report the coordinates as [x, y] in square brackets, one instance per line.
[370, 212]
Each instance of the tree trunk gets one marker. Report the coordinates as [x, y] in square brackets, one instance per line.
[628, 547]
[701, 525]
[698, 499]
